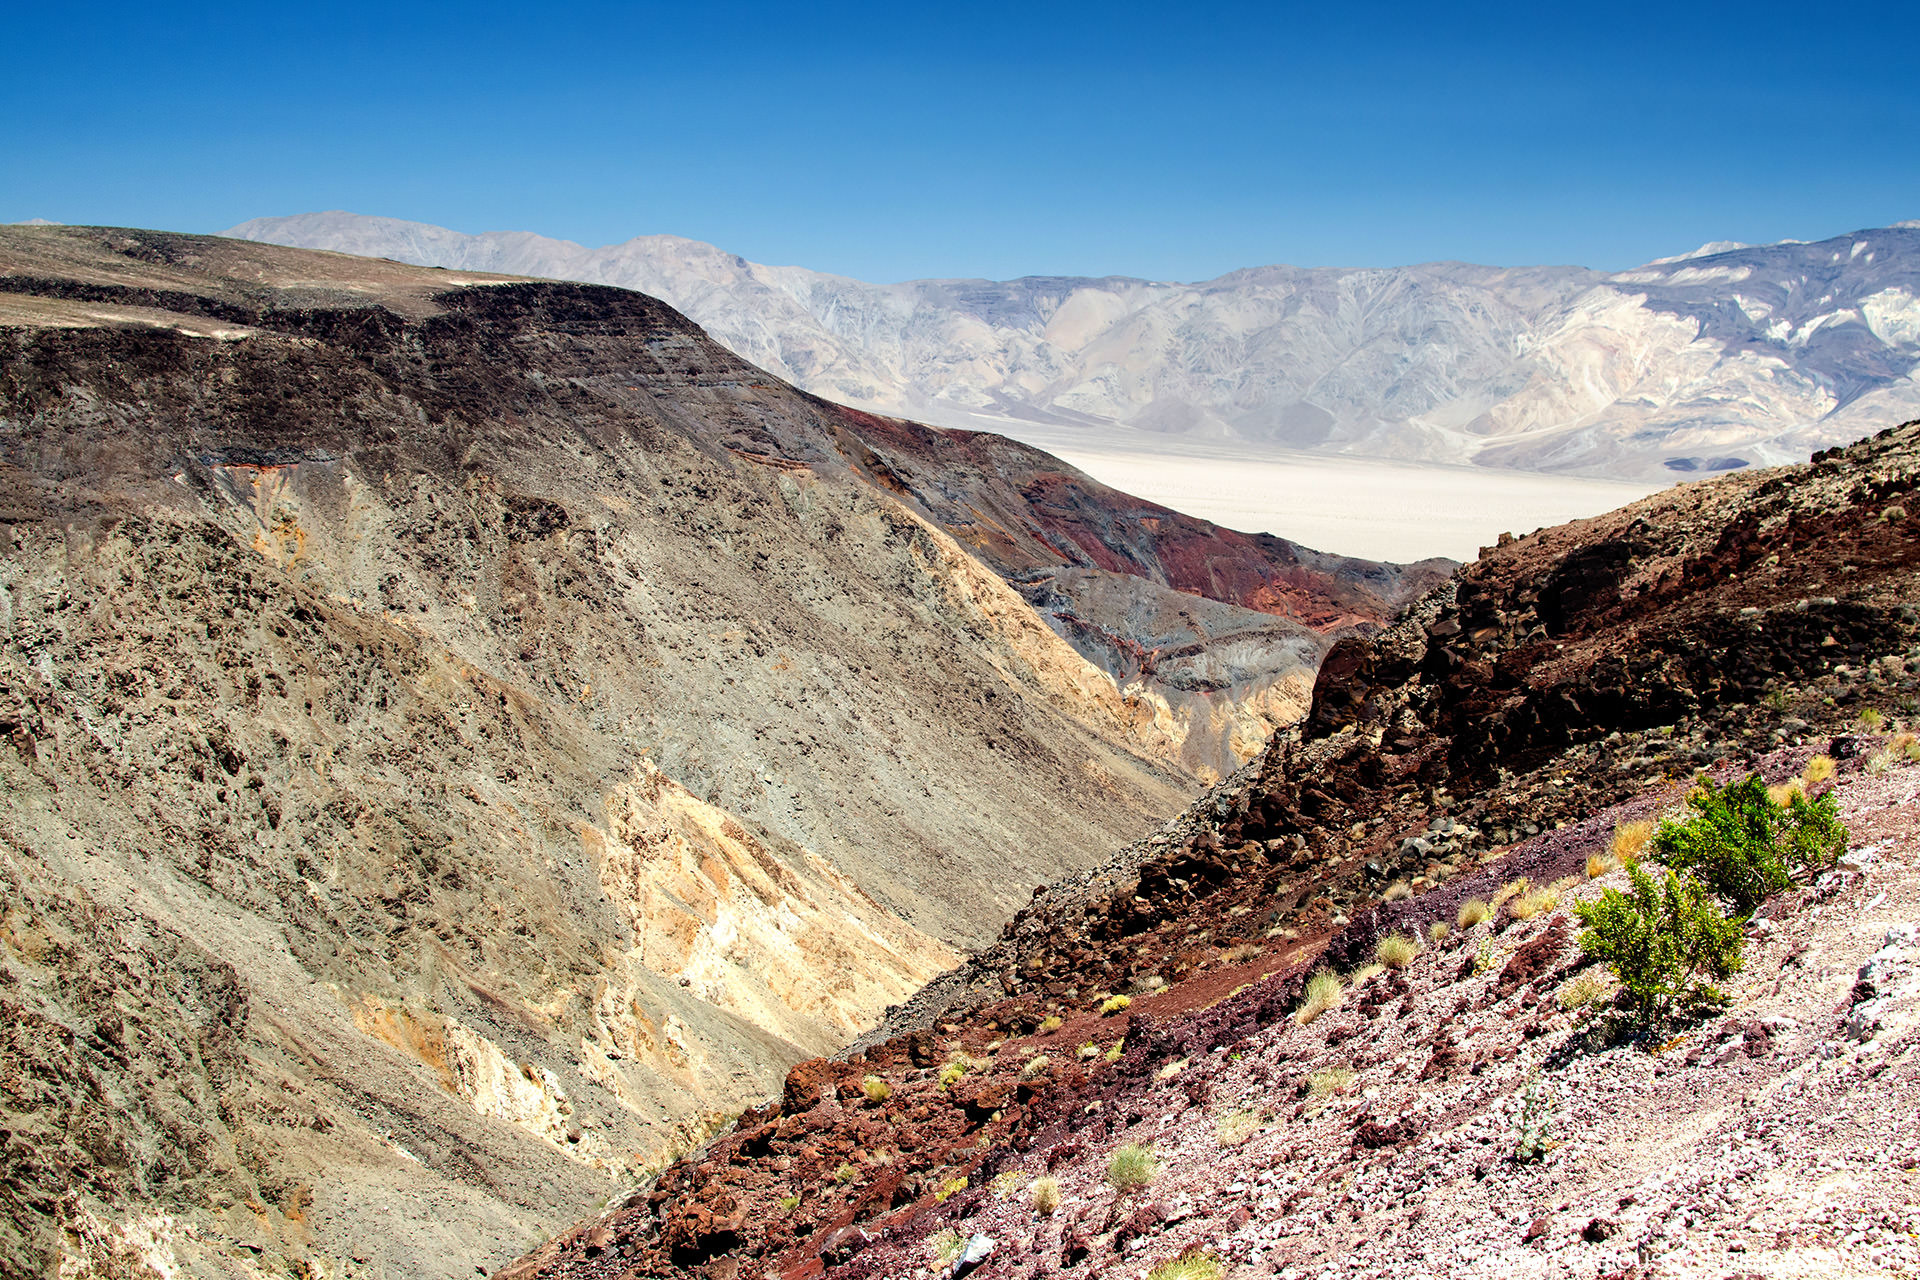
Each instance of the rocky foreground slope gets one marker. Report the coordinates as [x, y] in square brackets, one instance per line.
[1458, 1115]
[464, 737]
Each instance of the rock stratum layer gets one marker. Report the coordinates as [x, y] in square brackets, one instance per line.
[464, 737]
[1462, 1114]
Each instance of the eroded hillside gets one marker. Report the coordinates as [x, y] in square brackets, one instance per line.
[1458, 1110]
[465, 737]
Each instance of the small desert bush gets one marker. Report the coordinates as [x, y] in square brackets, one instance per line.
[1326, 1083]
[1236, 1128]
[1629, 838]
[789, 1203]
[948, 1188]
[1873, 720]
[1323, 993]
[1396, 950]
[1052, 1022]
[845, 1173]
[1472, 912]
[1664, 942]
[1113, 1004]
[1818, 770]
[1132, 1167]
[1396, 891]
[876, 1089]
[944, 1245]
[951, 1074]
[1087, 1052]
[1194, 1264]
[1008, 1182]
[1118, 1048]
[1743, 846]
[1046, 1195]
[1036, 1066]
[1911, 751]
[1893, 514]
[1438, 931]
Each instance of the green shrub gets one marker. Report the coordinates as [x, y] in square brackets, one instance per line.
[1113, 1004]
[1664, 942]
[876, 1089]
[951, 1073]
[1132, 1167]
[1744, 845]
[1052, 1023]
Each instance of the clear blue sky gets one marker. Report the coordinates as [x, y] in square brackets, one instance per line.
[898, 140]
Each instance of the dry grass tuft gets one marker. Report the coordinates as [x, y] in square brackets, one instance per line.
[1324, 1084]
[1237, 1128]
[1397, 891]
[1194, 1264]
[1537, 903]
[1244, 952]
[1036, 1066]
[1438, 931]
[1581, 992]
[1598, 864]
[1629, 838]
[1511, 889]
[1396, 950]
[944, 1245]
[1472, 912]
[1046, 1196]
[1131, 1167]
[1818, 770]
[1324, 992]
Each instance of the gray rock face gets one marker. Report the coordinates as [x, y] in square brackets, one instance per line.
[1730, 357]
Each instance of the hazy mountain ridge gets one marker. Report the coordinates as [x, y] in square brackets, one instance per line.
[1747, 354]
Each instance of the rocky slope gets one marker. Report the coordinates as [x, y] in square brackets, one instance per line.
[1562, 684]
[1732, 356]
[464, 737]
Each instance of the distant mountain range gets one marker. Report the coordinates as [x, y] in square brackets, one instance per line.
[1731, 356]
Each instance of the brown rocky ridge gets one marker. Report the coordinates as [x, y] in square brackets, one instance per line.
[466, 737]
[1459, 1115]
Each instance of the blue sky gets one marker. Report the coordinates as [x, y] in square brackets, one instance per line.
[899, 140]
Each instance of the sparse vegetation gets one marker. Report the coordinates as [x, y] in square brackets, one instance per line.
[1237, 1127]
[1893, 514]
[1046, 1195]
[1194, 1264]
[1397, 891]
[1053, 1022]
[951, 1074]
[944, 1245]
[1332, 1080]
[1581, 992]
[1533, 1123]
[1131, 1167]
[1323, 993]
[1598, 864]
[1879, 762]
[1485, 957]
[1036, 1066]
[1472, 912]
[789, 1203]
[1664, 942]
[1437, 931]
[1511, 889]
[1366, 972]
[1008, 1182]
[1242, 953]
[1818, 770]
[1743, 845]
[845, 1173]
[1537, 903]
[1114, 1004]
[1782, 793]
[1171, 1069]
[1396, 950]
[1873, 720]
[876, 1089]
[1088, 1051]
[1118, 1048]
[950, 1187]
